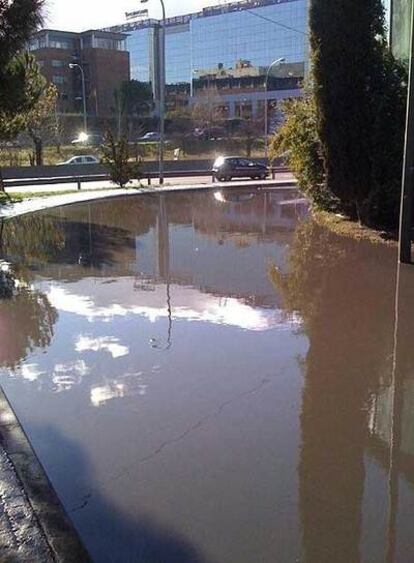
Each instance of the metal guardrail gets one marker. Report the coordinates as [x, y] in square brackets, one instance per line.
[79, 180]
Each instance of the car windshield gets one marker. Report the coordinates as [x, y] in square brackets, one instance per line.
[219, 161]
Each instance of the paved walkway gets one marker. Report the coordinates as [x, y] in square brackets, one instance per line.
[33, 524]
[21, 536]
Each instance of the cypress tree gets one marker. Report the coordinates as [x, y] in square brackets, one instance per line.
[19, 19]
[348, 43]
[20, 80]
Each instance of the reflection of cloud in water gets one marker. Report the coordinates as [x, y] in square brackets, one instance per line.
[187, 303]
[31, 372]
[128, 385]
[65, 376]
[108, 343]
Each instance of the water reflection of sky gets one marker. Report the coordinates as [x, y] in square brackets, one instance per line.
[102, 319]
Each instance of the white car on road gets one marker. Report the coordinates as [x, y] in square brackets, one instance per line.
[81, 159]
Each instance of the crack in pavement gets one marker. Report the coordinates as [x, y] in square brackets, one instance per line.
[85, 500]
[203, 420]
[124, 471]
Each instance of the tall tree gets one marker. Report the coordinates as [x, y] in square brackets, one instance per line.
[135, 96]
[351, 77]
[19, 19]
[40, 121]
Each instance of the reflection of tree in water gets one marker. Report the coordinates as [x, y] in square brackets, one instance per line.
[26, 316]
[344, 292]
[32, 241]
[31, 237]
[103, 234]
[26, 322]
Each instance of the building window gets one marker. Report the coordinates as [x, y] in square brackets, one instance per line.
[57, 64]
[38, 43]
[111, 44]
[58, 79]
[58, 44]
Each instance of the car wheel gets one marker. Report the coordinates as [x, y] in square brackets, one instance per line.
[228, 178]
[263, 176]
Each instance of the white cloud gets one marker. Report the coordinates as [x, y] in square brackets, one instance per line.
[31, 372]
[127, 385]
[108, 343]
[188, 303]
[66, 376]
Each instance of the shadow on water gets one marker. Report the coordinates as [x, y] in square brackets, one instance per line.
[108, 534]
[345, 294]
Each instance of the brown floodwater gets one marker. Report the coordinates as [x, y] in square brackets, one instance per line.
[213, 378]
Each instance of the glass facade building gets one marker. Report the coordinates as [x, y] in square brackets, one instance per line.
[216, 39]
[251, 34]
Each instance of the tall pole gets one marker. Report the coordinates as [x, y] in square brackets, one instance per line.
[85, 122]
[406, 212]
[161, 73]
[274, 63]
[162, 98]
[85, 119]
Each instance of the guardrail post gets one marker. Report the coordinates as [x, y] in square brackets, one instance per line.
[149, 179]
[79, 184]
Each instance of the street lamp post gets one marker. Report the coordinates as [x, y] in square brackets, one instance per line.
[162, 94]
[85, 123]
[277, 62]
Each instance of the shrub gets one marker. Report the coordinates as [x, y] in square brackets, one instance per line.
[115, 156]
[297, 141]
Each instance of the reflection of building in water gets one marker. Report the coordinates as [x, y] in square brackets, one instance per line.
[381, 424]
[201, 254]
[266, 212]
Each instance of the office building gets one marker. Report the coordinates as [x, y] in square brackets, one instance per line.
[103, 57]
[226, 49]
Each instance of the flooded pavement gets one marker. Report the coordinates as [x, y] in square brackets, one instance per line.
[213, 378]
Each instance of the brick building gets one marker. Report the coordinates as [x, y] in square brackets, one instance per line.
[101, 54]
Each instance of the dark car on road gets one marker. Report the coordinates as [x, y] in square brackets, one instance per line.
[150, 137]
[227, 167]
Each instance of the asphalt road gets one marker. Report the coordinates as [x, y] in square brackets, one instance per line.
[196, 180]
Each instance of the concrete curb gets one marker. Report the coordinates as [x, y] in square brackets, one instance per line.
[61, 537]
[41, 203]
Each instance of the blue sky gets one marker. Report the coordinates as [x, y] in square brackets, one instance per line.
[79, 15]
